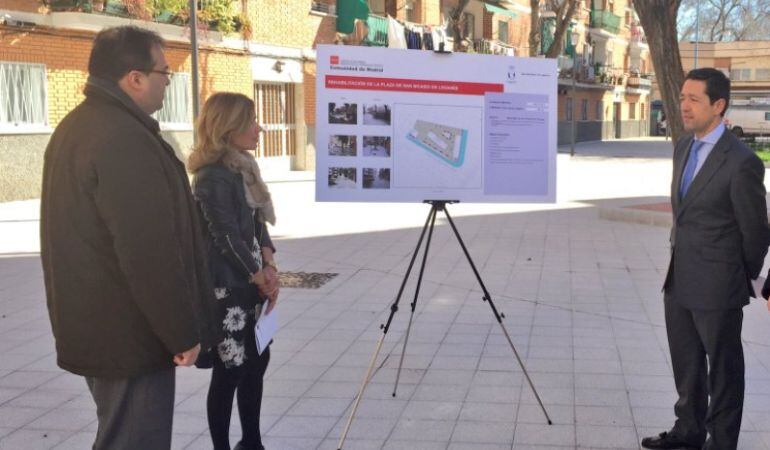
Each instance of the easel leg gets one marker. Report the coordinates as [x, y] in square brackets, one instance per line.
[435, 209]
[393, 308]
[498, 316]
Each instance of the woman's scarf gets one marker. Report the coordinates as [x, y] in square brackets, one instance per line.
[257, 194]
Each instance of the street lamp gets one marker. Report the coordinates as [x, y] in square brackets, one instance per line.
[574, 37]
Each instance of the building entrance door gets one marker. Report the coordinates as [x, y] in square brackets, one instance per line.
[277, 116]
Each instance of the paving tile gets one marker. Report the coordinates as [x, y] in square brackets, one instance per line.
[444, 411]
[423, 430]
[484, 432]
[33, 439]
[606, 437]
[18, 416]
[64, 420]
[529, 434]
[302, 426]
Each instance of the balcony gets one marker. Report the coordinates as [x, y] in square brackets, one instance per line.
[214, 15]
[605, 20]
[493, 47]
[639, 83]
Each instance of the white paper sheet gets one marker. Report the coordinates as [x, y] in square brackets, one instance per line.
[267, 325]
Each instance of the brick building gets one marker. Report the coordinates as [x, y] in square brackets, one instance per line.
[268, 53]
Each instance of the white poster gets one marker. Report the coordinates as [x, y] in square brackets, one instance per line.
[397, 125]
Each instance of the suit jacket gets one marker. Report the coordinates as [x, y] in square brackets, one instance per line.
[720, 231]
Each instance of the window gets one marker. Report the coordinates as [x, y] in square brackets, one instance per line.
[767, 116]
[176, 103]
[23, 96]
[469, 27]
[632, 111]
[762, 74]
[410, 15]
[584, 109]
[740, 74]
[322, 7]
[599, 110]
[502, 31]
[568, 109]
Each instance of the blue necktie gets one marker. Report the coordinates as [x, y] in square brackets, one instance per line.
[689, 169]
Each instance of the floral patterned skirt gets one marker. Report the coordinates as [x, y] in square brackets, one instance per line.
[238, 310]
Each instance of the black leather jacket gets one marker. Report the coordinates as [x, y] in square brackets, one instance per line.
[235, 236]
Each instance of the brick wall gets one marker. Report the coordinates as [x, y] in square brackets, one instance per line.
[65, 55]
[289, 23]
[32, 6]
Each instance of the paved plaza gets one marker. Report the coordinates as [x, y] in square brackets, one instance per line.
[581, 297]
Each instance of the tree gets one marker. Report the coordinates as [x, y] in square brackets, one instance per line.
[564, 10]
[725, 20]
[659, 19]
[457, 21]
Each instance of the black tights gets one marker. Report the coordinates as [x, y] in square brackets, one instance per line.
[247, 380]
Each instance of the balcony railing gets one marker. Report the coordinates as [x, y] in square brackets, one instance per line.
[639, 82]
[492, 47]
[605, 20]
[211, 16]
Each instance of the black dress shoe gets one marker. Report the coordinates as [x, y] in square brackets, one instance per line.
[240, 446]
[666, 440]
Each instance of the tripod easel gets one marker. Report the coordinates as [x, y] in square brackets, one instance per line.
[436, 206]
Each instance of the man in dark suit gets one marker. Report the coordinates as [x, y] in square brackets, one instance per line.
[718, 243]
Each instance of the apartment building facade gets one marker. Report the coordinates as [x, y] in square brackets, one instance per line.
[747, 63]
[269, 57]
[605, 75]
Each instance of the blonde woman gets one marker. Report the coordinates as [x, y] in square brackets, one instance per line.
[236, 206]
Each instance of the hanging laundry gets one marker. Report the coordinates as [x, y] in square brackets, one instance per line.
[413, 39]
[347, 13]
[439, 36]
[427, 41]
[396, 38]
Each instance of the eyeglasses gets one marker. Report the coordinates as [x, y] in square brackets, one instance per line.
[170, 75]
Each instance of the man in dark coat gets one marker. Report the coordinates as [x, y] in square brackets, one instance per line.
[122, 249]
[718, 243]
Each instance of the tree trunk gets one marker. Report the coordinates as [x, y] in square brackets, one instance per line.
[534, 29]
[561, 27]
[457, 17]
[658, 19]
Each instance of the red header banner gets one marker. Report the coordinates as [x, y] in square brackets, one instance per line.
[407, 85]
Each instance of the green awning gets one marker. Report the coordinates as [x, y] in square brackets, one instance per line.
[498, 10]
[347, 13]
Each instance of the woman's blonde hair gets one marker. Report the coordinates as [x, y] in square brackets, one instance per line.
[223, 115]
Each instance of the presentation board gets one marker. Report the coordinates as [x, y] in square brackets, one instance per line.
[397, 125]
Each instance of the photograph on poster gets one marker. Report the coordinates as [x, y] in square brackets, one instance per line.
[444, 152]
[375, 178]
[376, 114]
[342, 177]
[377, 146]
[343, 113]
[342, 145]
